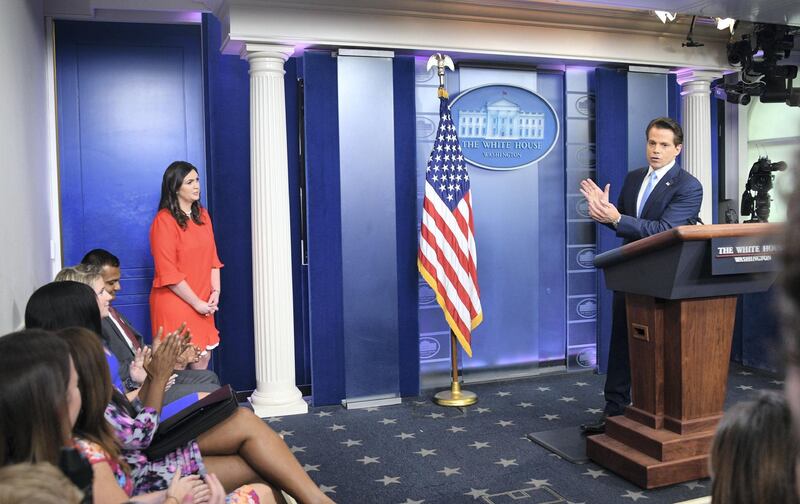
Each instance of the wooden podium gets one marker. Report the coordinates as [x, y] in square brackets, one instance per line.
[681, 288]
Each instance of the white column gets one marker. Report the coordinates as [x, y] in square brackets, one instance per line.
[276, 392]
[696, 117]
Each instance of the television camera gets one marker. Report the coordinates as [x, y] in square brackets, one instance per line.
[758, 54]
[759, 181]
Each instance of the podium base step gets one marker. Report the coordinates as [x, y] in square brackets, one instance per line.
[643, 470]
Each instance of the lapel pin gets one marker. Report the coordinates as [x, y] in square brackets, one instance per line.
[668, 183]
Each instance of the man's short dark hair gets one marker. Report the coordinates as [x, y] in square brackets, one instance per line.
[100, 258]
[666, 123]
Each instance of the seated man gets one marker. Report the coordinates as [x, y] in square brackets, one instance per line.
[124, 340]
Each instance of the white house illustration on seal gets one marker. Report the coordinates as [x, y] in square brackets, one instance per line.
[501, 119]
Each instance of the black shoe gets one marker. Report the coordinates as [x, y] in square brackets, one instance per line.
[596, 427]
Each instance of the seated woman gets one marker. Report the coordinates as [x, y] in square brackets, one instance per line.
[240, 450]
[114, 478]
[754, 454]
[39, 405]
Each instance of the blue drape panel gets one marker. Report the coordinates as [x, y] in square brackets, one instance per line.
[326, 330]
[227, 103]
[405, 203]
[612, 165]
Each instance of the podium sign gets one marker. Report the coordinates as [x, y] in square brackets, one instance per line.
[733, 255]
[680, 327]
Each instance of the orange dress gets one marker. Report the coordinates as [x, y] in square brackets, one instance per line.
[182, 254]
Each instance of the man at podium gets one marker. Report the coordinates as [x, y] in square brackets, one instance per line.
[654, 198]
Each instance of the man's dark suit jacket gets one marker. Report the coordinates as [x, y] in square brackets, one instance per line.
[188, 381]
[674, 201]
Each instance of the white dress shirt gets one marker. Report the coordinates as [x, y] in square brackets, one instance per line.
[659, 174]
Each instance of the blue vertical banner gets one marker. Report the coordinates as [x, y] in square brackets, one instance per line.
[581, 237]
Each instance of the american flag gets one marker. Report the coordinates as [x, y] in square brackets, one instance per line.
[446, 257]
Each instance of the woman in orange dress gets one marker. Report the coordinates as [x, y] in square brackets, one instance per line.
[186, 286]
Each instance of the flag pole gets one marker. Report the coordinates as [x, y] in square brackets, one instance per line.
[455, 396]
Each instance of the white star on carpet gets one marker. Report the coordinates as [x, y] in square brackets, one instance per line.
[435, 415]
[477, 493]
[594, 411]
[336, 427]
[525, 405]
[388, 480]
[482, 410]
[351, 442]
[777, 382]
[309, 468]
[550, 417]
[420, 403]
[328, 489]
[275, 419]
[567, 399]
[296, 449]
[369, 460]
[504, 423]
[745, 373]
[455, 429]
[537, 483]
[745, 387]
[581, 384]
[323, 413]
[404, 435]
[542, 389]
[387, 421]
[507, 462]
[503, 394]
[425, 452]
[693, 484]
[372, 408]
[285, 433]
[635, 495]
[449, 471]
[478, 445]
[409, 501]
[595, 474]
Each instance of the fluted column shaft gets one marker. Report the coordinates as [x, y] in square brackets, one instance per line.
[696, 118]
[276, 392]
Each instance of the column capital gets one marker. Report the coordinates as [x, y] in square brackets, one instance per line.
[251, 50]
[690, 75]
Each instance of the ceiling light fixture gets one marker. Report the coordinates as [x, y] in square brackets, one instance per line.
[665, 16]
[725, 24]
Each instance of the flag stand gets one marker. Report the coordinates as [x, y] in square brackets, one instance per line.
[455, 396]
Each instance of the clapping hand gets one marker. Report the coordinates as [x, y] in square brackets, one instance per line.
[136, 369]
[600, 208]
[182, 487]
[162, 362]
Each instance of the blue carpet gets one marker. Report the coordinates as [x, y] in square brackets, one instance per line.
[418, 452]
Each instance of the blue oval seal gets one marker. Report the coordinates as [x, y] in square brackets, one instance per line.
[503, 127]
[428, 347]
[586, 358]
[587, 308]
[585, 258]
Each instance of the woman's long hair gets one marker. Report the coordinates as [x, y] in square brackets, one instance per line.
[34, 418]
[170, 185]
[58, 305]
[96, 390]
[754, 453]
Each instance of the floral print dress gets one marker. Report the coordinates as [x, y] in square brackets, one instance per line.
[95, 454]
[135, 435]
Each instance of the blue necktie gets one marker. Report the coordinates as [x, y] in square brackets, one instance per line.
[647, 190]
